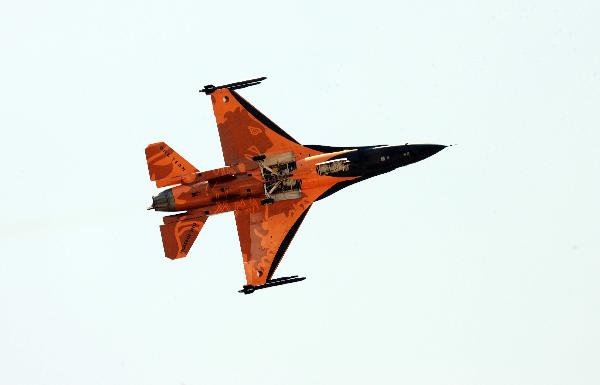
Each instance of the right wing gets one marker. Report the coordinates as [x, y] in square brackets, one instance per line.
[245, 132]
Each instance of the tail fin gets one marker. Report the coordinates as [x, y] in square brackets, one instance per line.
[179, 233]
[166, 166]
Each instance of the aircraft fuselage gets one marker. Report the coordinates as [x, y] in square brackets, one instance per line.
[266, 180]
[270, 183]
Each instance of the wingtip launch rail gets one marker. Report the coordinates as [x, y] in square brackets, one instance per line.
[249, 289]
[209, 88]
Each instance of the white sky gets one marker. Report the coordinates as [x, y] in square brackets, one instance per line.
[477, 266]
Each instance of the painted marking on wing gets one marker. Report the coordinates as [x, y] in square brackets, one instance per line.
[254, 130]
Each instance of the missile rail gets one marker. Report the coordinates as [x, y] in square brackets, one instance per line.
[209, 88]
[249, 289]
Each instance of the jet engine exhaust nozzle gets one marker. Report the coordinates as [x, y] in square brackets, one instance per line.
[163, 201]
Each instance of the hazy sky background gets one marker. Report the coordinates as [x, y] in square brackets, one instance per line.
[479, 265]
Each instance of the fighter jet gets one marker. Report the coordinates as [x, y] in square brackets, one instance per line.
[269, 181]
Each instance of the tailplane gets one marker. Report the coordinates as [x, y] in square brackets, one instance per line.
[179, 233]
[166, 167]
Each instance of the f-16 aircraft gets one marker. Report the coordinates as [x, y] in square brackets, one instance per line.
[269, 181]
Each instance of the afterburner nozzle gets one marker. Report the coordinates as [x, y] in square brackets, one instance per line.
[163, 201]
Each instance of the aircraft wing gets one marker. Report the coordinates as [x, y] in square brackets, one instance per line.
[265, 233]
[245, 132]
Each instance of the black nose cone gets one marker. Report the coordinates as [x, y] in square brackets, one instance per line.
[426, 150]
[412, 153]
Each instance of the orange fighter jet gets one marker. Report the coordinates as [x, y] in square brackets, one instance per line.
[269, 182]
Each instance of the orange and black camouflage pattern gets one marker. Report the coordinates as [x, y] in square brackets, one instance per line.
[238, 187]
[262, 229]
[244, 134]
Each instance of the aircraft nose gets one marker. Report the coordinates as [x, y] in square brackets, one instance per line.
[428, 150]
[412, 153]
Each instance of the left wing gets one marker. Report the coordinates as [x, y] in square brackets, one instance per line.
[265, 233]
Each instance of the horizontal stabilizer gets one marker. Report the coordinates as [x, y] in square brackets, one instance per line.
[179, 233]
[166, 166]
